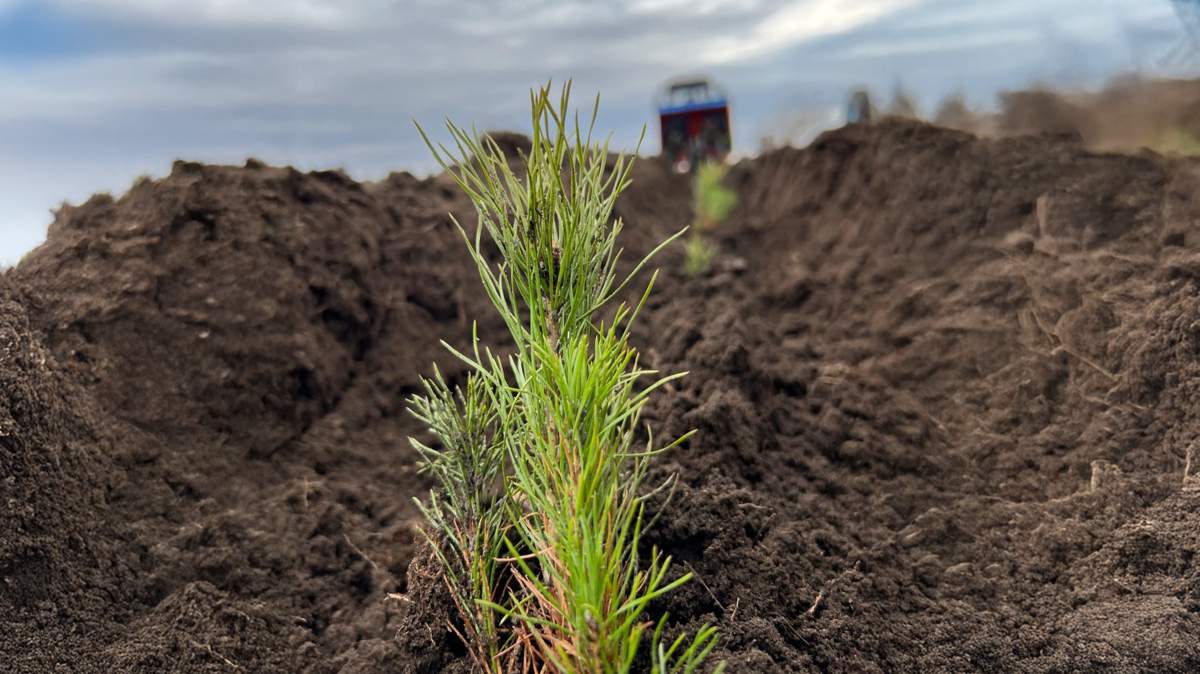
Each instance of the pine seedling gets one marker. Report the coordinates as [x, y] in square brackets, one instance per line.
[466, 511]
[698, 254]
[567, 405]
[712, 203]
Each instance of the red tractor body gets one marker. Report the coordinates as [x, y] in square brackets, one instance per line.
[694, 119]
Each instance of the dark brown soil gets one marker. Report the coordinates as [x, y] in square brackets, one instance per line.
[946, 391]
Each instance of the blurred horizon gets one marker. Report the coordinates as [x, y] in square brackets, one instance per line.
[98, 92]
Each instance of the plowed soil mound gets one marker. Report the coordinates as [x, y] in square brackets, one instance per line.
[946, 392]
[1129, 114]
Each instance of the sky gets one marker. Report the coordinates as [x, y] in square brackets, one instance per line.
[94, 93]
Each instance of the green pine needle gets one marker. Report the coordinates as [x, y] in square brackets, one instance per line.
[538, 512]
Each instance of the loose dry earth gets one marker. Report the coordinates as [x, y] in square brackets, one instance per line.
[1130, 113]
[946, 391]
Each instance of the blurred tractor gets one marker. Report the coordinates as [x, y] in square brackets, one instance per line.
[858, 110]
[694, 117]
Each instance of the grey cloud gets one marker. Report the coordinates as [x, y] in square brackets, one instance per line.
[153, 86]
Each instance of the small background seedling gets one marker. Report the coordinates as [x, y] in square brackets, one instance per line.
[712, 203]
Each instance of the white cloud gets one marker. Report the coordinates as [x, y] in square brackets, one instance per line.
[532, 17]
[333, 82]
[1063, 14]
[89, 91]
[323, 13]
[943, 44]
[667, 7]
[797, 23]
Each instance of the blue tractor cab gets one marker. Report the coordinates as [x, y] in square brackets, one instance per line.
[693, 115]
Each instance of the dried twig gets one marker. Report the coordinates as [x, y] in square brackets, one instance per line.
[360, 553]
[209, 649]
[705, 586]
[1190, 482]
[823, 595]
